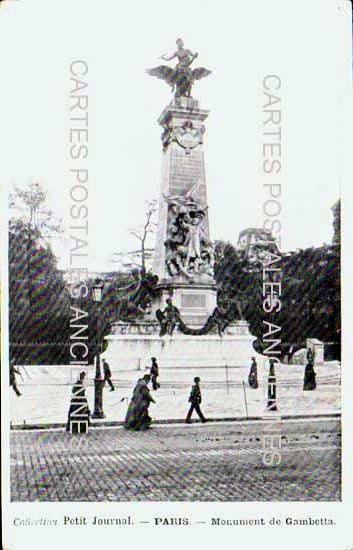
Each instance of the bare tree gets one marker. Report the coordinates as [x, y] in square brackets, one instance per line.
[137, 258]
[28, 203]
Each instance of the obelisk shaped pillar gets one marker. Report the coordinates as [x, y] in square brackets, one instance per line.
[184, 254]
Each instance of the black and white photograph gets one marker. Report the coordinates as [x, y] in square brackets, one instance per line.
[173, 332]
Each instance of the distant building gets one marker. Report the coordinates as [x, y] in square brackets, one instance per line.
[254, 242]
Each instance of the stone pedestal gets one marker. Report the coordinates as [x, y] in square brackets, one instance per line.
[132, 345]
[317, 348]
[195, 303]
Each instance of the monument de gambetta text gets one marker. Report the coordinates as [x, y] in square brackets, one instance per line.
[187, 311]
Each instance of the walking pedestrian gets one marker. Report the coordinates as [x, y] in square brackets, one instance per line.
[195, 400]
[253, 382]
[154, 374]
[309, 377]
[107, 374]
[137, 417]
[13, 383]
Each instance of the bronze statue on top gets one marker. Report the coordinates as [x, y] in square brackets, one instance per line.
[182, 77]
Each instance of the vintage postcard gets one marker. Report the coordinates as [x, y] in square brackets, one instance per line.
[176, 339]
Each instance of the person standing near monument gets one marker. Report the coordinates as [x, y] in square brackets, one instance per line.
[107, 374]
[195, 400]
[253, 382]
[154, 374]
[309, 376]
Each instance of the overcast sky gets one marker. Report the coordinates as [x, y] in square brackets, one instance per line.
[241, 42]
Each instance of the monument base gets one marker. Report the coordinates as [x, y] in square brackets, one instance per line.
[132, 346]
[195, 302]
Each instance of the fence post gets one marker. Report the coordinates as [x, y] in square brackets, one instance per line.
[227, 379]
[246, 404]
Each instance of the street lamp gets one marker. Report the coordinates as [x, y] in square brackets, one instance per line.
[97, 293]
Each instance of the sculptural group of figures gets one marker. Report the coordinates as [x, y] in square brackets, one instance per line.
[188, 250]
[170, 319]
[181, 77]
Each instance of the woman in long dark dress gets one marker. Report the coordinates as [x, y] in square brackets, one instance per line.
[137, 417]
[309, 377]
[79, 413]
[252, 379]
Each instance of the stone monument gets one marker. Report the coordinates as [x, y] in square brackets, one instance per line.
[186, 327]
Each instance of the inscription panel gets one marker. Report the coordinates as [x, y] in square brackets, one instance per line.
[193, 300]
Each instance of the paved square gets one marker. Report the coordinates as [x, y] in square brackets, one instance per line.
[212, 462]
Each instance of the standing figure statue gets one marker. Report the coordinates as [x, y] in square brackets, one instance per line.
[193, 225]
[182, 77]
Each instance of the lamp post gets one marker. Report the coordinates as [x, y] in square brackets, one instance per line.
[97, 293]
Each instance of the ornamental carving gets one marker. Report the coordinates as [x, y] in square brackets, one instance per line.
[187, 136]
[189, 252]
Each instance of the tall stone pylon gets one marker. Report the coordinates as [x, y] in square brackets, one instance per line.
[184, 253]
[184, 327]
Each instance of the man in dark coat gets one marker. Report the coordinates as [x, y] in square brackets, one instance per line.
[137, 416]
[13, 384]
[107, 374]
[154, 374]
[195, 400]
[309, 377]
[253, 382]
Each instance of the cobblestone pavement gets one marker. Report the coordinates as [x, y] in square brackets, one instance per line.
[210, 462]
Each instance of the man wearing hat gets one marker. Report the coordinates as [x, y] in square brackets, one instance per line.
[195, 400]
[107, 374]
[154, 374]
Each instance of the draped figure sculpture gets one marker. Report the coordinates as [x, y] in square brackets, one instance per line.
[181, 78]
